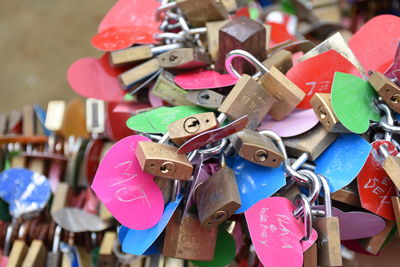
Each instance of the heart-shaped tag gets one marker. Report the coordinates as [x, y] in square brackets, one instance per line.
[157, 120]
[24, 190]
[204, 79]
[116, 128]
[374, 185]
[77, 220]
[375, 43]
[255, 182]
[303, 119]
[338, 162]
[138, 241]
[122, 186]
[128, 22]
[352, 102]
[315, 75]
[275, 232]
[224, 250]
[356, 224]
[394, 71]
[95, 78]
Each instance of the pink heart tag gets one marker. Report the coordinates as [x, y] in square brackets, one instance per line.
[128, 22]
[276, 234]
[204, 79]
[95, 78]
[130, 194]
[315, 75]
[303, 119]
[155, 101]
[375, 43]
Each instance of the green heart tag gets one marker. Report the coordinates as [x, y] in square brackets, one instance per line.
[157, 120]
[353, 102]
[224, 250]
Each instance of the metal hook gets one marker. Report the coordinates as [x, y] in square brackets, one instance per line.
[238, 53]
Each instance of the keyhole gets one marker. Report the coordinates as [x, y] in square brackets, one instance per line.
[395, 98]
[203, 98]
[194, 123]
[172, 57]
[323, 113]
[191, 125]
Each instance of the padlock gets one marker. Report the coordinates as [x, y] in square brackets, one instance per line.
[166, 89]
[256, 148]
[391, 165]
[218, 197]
[286, 94]
[163, 161]
[322, 106]
[247, 98]
[348, 195]
[139, 53]
[55, 115]
[328, 232]
[396, 208]
[387, 89]
[242, 33]
[282, 60]
[165, 186]
[182, 130]
[36, 255]
[138, 73]
[213, 28]
[95, 116]
[310, 258]
[186, 238]
[184, 58]
[200, 12]
[205, 98]
[375, 243]
[312, 142]
[230, 5]
[106, 254]
[18, 253]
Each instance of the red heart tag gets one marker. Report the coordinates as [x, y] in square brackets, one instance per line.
[95, 78]
[374, 185]
[116, 127]
[128, 22]
[204, 79]
[315, 75]
[375, 43]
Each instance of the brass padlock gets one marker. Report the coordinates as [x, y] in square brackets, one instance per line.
[205, 98]
[55, 115]
[165, 187]
[391, 165]
[348, 195]
[163, 161]
[184, 129]
[396, 209]
[256, 148]
[310, 257]
[200, 12]
[312, 142]
[213, 38]
[247, 98]
[186, 238]
[138, 73]
[166, 89]
[218, 197]
[322, 106]
[184, 58]
[387, 89]
[375, 243]
[329, 253]
[282, 60]
[36, 255]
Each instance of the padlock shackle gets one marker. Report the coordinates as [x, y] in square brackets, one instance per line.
[389, 126]
[302, 202]
[327, 196]
[238, 53]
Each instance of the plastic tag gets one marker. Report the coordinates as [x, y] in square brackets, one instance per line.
[204, 79]
[338, 163]
[303, 119]
[95, 78]
[213, 135]
[352, 102]
[25, 191]
[255, 182]
[157, 120]
[137, 242]
[374, 185]
[356, 224]
[122, 186]
[315, 75]
[394, 71]
[275, 232]
[375, 43]
[77, 220]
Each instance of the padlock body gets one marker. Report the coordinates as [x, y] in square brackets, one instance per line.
[329, 253]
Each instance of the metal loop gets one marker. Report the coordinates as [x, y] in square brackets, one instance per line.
[327, 196]
[214, 150]
[238, 53]
[168, 35]
[301, 201]
[389, 118]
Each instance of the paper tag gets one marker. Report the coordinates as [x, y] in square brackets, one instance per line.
[303, 119]
[122, 186]
[315, 75]
[204, 79]
[95, 78]
[138, 241]
[374, 185]
[352, 102]
[275, 232]
[255, 182]
[338, 163]
[25, 191]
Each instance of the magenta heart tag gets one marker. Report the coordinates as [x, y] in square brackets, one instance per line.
[356, 224]
[123, 187]
[95, 78]
[276, 234]
[303, 119]
[204, 79]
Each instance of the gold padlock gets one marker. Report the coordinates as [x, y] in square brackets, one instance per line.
[387, 89]
[184, 58]
[200, 12]
[138, 73]
[282, 60]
